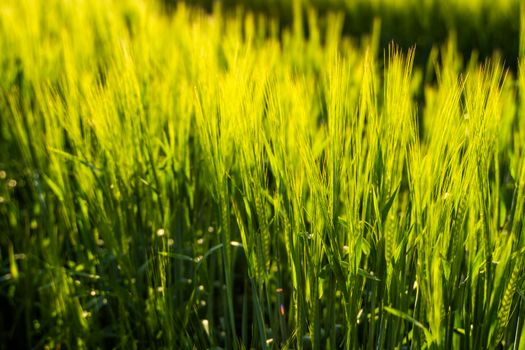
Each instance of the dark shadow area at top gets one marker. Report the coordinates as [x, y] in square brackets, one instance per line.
[485, 30]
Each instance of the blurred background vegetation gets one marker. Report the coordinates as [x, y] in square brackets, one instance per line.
[482, 27]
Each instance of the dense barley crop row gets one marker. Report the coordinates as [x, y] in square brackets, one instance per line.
[201, 180]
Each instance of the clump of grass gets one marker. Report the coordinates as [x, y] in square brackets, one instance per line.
[197, 180]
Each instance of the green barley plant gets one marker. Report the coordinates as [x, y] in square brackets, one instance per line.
[199, 180]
